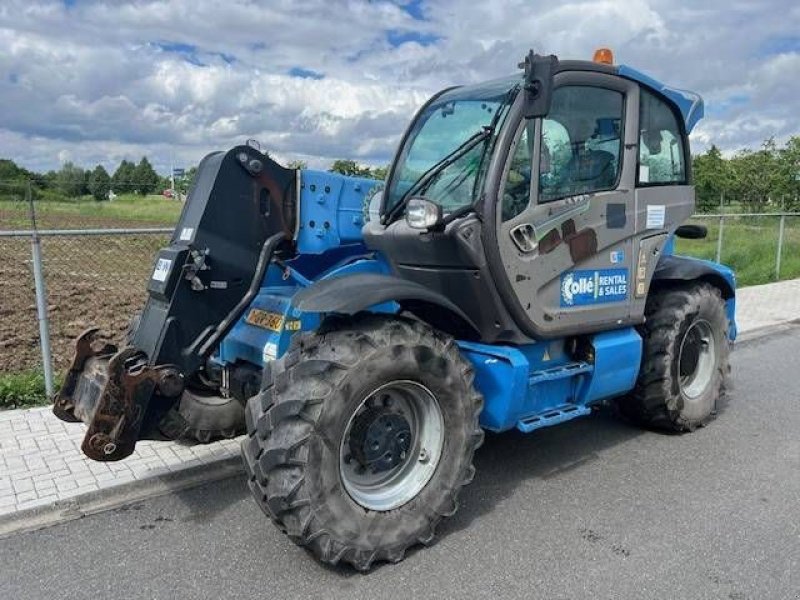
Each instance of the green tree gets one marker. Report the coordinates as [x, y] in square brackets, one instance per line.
[712, 179]
[789, 166]
[71, 180]
[379, 172]
[346, 167]
[756, 176]
[9, 171]
[185, 182]
[353, 169]
[122, 181]
[99, 183]
[145, 178]
[297, 164]
[13, 180]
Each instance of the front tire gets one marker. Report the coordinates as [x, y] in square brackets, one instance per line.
[684, 360]
[362, 437]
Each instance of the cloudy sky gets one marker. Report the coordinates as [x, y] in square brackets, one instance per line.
[95, 82]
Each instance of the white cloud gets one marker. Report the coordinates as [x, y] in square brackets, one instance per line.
[105, 80]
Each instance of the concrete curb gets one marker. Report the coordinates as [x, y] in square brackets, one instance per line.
[767, 330]
[113, 497]
[137, 490]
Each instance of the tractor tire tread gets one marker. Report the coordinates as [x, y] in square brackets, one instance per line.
[654, 403]
[282, 418]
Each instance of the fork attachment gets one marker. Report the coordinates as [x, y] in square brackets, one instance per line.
[110, 391]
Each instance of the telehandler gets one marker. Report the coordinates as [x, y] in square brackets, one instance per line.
[516, 271]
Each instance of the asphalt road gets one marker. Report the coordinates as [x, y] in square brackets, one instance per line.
[590, 509]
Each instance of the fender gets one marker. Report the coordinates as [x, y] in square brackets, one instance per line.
[350, 294]
[683, 268]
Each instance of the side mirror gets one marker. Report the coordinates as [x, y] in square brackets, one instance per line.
[423, 214]
[691, 232]
[373, 207]
[538, 83]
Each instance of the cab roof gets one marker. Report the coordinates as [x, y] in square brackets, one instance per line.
[690, 104]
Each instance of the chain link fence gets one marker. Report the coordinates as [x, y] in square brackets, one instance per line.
[95, 260]
[94, 270]
[760, 247]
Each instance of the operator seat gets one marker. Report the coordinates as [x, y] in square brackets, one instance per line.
[591, 170]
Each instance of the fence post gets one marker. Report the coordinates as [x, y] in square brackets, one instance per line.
[780, 249]
[41, 297]
[719, 238]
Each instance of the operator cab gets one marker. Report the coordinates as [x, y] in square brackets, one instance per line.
[540, 203]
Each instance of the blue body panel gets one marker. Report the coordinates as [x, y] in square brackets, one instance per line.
[689, 103]
[257, 344]
[730, 304]
[536, 385]
[725, 272]
[332, 208]
[329, 244]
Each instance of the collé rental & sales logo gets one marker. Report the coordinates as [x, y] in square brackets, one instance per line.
[579, 288]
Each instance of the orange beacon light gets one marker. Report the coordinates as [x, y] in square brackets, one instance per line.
[603, 56]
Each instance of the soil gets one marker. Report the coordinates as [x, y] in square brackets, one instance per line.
[91, 281]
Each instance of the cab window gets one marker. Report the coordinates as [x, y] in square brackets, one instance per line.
[661, 150]
[516, 193]
[581, 142]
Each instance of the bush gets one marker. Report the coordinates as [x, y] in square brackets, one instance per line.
[18, 390]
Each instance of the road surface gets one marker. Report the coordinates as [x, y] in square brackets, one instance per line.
[591, 509]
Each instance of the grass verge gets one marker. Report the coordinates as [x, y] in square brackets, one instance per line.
[749, 247]
[127, 210]
[21, 390]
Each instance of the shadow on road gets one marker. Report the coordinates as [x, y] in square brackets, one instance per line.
[504, 462]
[508, 459]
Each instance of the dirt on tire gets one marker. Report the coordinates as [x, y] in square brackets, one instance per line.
[296, 423]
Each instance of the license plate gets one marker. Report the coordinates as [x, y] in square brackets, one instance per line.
[162, 269]
[264, 319]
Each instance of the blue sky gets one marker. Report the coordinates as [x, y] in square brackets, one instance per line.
[94, 82]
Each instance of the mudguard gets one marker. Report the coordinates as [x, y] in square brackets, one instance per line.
[673, 268]
[353, 293]
[684, 268]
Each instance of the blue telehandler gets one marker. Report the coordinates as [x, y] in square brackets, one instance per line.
[515, 271]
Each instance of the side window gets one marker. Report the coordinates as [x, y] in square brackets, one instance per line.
[581, 142]
[661, 151]
[516, 193]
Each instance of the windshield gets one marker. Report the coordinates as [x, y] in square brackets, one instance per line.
[447, 123]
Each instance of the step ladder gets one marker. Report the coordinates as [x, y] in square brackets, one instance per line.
[559, 413]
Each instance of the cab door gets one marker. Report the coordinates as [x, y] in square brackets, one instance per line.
[566, 207]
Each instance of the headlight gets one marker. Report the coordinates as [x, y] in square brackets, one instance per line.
[422, 213]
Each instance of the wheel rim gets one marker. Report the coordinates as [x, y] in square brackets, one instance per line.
[392, 445]
[697, 359]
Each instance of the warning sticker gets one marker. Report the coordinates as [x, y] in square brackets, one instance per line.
[581, 288]
[656, 214]
[162, 269]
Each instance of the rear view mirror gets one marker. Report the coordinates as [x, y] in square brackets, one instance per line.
[692, 232]
[538, 84]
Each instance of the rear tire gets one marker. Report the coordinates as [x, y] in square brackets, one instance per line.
[204, 418]
[684, 360]
[307, 426]
[196, 416]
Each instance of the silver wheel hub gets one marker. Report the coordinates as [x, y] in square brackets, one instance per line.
[697, 359]
[392, 445]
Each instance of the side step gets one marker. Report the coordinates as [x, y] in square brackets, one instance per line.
[553, 416]
[560, 413]
[562, 372]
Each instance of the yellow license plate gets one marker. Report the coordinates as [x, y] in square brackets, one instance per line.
[264, 319]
